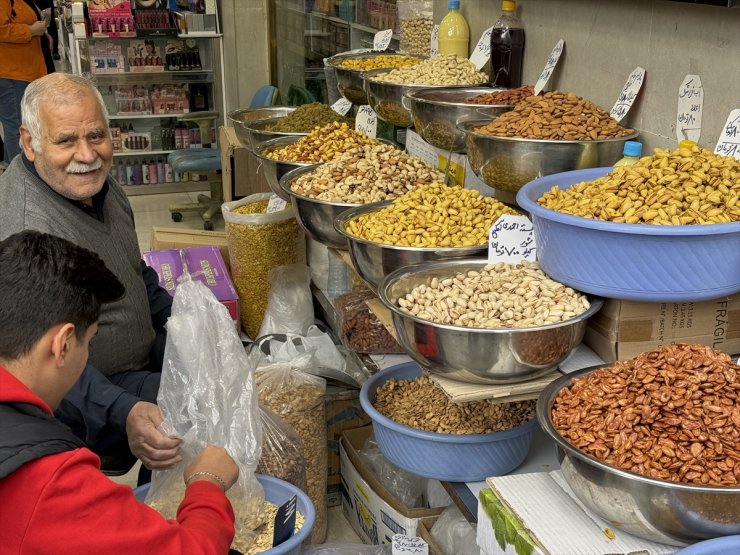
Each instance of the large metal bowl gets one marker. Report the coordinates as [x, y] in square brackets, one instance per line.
[477, 355]
[276, 169]
[508, 163]
[657, 510]
[240, 119]
[257, 133]
[437, 111]
[316, 217]
[349, 81]
[373, 261]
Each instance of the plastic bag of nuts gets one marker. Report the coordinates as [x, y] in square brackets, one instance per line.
[298, 398]
[361, 331]
[416, 18]
[258, 242]
[282, 450]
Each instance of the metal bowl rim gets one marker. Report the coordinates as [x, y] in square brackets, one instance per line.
[233, 113]
[405, 430]
[415, 97]
[616, 227]
[297, 172]
[544, 406]
[466, 127]
[472, 263]
[341, 220]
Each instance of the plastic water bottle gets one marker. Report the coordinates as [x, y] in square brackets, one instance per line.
[631, 154]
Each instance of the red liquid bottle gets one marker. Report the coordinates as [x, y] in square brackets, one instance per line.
[507, 48]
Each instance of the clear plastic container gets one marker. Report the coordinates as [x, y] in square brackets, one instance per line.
[454, 33]
[507, 48]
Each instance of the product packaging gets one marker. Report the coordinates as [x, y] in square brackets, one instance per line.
[417, 20]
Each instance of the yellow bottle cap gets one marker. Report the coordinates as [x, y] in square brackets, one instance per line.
[686, 144]
[508, 5]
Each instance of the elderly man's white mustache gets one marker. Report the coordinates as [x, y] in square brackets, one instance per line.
[77, 167]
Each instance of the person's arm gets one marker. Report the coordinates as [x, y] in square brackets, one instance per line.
[17, 32]
[160, 301]
[82, 511]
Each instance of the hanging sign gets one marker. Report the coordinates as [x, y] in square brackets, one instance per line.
[382, 39]
[690, 104]
[729, 138]
[628, 94]
[342, 106]
[434, 42]
[552, 61]
[482, 50]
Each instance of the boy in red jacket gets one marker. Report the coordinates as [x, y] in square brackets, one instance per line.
[53, 497]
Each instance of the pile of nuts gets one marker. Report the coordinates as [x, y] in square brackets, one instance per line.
[502, 98]
[264, 538]
[671, 414]
[361, 330]
[321, 145]
[421, 404]
[366, 174]
[679, 187]
[557, 116]
[304, 118]
[416, 33]
[282, 450]
[449, 69]
[431, 216]
[367, 63]
[496, 296]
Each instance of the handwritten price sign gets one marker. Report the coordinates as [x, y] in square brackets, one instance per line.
[434, 42]
[690, 103]
[367, 121]
[482, 50]
[552, 61]
[511, 240]
[729, 139]
[342, 106]
[403, 545]
[275, 204]
[629, 93]
[382, 39]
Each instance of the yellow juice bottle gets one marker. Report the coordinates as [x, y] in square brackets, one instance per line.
[454, 33]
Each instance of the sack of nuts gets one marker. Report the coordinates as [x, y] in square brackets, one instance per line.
[282, 450]
[361, 331]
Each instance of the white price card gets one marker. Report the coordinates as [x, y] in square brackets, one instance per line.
[275, 204]
[367, 120]
[690, 104]
[628, 94]
[552, 61]
[511, 240]
[342, 106]
[482, 50]
[382, 39]
[434, 42]
[729, 137]
[403, 545]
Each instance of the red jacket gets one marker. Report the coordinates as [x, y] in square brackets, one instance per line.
[63, 504]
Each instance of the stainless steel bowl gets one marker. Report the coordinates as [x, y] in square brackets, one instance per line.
[373, 261]
[276, 169]
[257, 133]
[477, 355]
[349, 81]
[657, 510]
[437, 111]
[316, 217]
[508, 163]
[240, 119]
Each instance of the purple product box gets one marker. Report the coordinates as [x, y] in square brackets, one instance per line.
[204, 264]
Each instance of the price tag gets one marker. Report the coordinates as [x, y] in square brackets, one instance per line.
[275, 204]
[367, 120]
[482, 50]
[729, 138]
[434, 42]
[402, 544]
[382, 39]
[628, 94]
[284, 521]
[690, 104]
[342, 106]
[552, 61]
[511, 240]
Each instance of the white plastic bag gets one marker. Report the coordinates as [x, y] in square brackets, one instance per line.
[208, 396]
[453, 533]
[289, 304]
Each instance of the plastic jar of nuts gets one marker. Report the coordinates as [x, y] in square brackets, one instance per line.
[416, 18]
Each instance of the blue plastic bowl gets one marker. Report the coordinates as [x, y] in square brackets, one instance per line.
[635, 262]
[716, 546]
[454, 458]
[277, 492]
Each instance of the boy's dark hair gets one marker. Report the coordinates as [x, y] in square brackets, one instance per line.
[46, 281]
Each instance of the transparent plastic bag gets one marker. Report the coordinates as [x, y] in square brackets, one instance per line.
[258, 242]
[289, 304]
[416, 18]
[453, 533]
[348, 549]
[360, 329]
[208, 396]
[282, 450]
[299, 399]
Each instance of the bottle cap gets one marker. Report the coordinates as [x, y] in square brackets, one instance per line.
[632, 148]
[453, 5]
[508, 5]
[686, 144]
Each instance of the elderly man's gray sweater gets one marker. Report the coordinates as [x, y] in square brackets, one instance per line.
[125, 332]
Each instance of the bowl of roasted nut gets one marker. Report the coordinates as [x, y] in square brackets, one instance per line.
[652, 444]
[242, 121]
[542, 135]
[418, 428]
[430, 223]
[666, 229]
[485, 323]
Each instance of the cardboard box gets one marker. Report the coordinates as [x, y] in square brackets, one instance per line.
[624, 329]
[241, 170]
[204, 264]
[424, 531]
[375, 515]
[343, 412]
[178, 238]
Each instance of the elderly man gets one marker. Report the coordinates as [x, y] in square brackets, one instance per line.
[58, 185]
